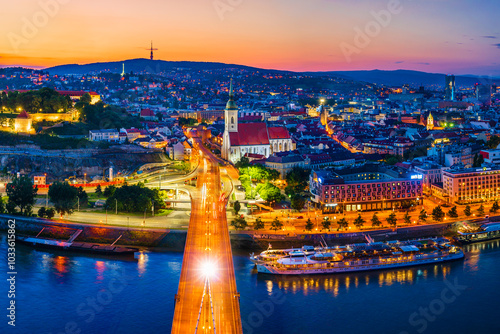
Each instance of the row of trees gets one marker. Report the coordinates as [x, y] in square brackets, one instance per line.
[136, 198]
[22, 196]
[43, 100]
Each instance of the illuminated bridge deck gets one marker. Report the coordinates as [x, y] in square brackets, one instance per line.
[207, 300]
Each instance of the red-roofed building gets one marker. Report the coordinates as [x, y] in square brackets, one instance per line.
[148, 115]
[253, 138]
[23, 122]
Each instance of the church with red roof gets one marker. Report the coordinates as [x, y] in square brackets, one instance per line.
[252, 138]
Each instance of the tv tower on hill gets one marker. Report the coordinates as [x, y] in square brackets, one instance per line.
[151, 56]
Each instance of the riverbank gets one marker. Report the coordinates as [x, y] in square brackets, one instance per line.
[159, 239]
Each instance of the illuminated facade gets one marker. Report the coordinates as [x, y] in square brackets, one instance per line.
[364, 191]
[449, 90]
[471, 185]
[430, 122]
[23, 123]
[253, 138]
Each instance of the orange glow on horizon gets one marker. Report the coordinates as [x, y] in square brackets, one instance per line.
[287, 35]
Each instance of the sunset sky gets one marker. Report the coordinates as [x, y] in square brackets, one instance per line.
[445, 36]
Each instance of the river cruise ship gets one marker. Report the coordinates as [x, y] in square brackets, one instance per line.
[357, 257]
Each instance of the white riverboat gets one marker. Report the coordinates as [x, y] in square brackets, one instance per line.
[360, 257]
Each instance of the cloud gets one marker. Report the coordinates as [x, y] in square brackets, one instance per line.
[497, 45]
[491, 37]
[423, 63]
[399, 62]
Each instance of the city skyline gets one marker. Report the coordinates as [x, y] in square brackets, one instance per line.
[439, 37]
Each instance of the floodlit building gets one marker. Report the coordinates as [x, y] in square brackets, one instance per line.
[110, 135]
[364, 189]
[255, 138]
[23, 123]
[469, 185]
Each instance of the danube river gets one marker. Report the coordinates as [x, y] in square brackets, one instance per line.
[61, 293]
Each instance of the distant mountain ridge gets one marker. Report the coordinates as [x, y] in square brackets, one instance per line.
[402, 77]
[389, 78]
[140, 65]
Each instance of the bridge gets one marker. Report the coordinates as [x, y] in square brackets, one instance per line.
[207, 300]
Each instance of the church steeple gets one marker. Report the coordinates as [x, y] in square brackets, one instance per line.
[231, 105]
[231, 112]
[430, 122]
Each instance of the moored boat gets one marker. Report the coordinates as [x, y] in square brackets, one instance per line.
[488, 231]
[361, 257]
[84, 247]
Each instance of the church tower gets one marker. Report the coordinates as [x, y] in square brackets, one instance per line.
[231, 123]
[430, 122]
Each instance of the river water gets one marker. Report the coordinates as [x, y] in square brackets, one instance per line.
[61, 293]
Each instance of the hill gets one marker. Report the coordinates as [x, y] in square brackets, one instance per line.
[389, 78]
[142, 65]
[402, 77]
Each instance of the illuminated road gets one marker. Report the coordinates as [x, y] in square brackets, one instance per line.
[207, 300]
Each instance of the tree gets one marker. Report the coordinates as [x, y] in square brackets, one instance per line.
[343, 223]
[326, 223]
[495, 207]
[83, 198]
[258, 225]
[135, 198]
[236, 207]
[63, 196]
[478, 160]
[467, 211]
[98, 190]
[298, 202]
[242, 163]
[10, 207]
[109, 191]
[391, 220]
[480, 210]
[269, 192]
[452, 213]
[276, 224]
[437, 213]
[2, 205]
[407, 218]
[493, 142]
[375, 221]
[309, 225]
[423, 215]
[41, 212]
[359, 222]
[50, 213]
[21, 193]
[239, 223]
[298, 179]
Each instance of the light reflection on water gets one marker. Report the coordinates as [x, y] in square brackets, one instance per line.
[333, 283]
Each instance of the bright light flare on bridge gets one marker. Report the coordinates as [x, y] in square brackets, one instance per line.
[209, 269]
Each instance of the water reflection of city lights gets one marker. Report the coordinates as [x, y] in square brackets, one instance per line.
[61, 265]
[100, 266]
[142, 259]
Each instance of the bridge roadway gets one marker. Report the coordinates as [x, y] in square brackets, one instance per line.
[207, 300]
